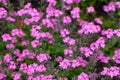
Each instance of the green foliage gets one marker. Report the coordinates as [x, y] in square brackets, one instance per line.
[110, 24]
[111, 45]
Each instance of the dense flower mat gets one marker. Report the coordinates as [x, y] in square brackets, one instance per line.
[60, 40]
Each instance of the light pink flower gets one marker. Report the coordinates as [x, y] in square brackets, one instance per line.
[83, 76]
[65, 64]
[90, 9]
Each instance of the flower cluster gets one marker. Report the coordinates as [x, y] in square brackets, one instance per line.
[3, 13]
[28, 10]
[88, 28]
[32, 68]
[69, 41]
[116, 56]
[66, 63]
[112, 71]
[75, 13]
[83, 76]
[101, 57]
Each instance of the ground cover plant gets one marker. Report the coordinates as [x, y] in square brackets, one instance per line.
[59, 40]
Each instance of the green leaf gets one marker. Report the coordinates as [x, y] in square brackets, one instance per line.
[9, 72]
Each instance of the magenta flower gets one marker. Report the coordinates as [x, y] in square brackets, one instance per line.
[59, 59]
[42, 57]
[75, 13]
[109, 33]
[7, 58]
[118, 4]
[3, 13]
[66, 19]
[10, 46]
[2, 76]
[16, 76]
[35, 43]
[116, 56]
[98, 20]
[83, 76]
[6, 37]
[110, 7]
[64, 32]
[86, 51]
[90, 9]
[68, 52]
[69, 41]
[112, 71]
[65, 64]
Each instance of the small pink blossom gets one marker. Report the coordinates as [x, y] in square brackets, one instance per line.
[90, 9]
[67, 20]
[83, 76]
[65, 64]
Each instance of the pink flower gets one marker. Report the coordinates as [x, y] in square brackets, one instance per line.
[7, 58]
[78, 62]
[64, 32]
[86, 51]
[88, 28]
[24, 42]
[14, 40]
[16, 76]
[117, 32]
[72, 42]
[58, 13]
[31, 55]
[17, 52]
[30, 69]
[10, 19]
[75, 12]
[12, 65]
[42, 57]
[18, 32]
[10, 46]
[59, 59]
[2, 76]
[116, 56]
[118, 4]
[23, 67]
[25, 52]
[67, 7]
[110, 7]
[90, 9]
[109, 33]
[69, 41]
[112, 71]
[75, 63]
[27, 6]
[6, 37]
[83, 76]
[98, 20]
[3, 13]
[66, 19]
[102, 58]
[35, 43]
[47, 23]
[65, 64]
[41, 68]
[68, 52]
